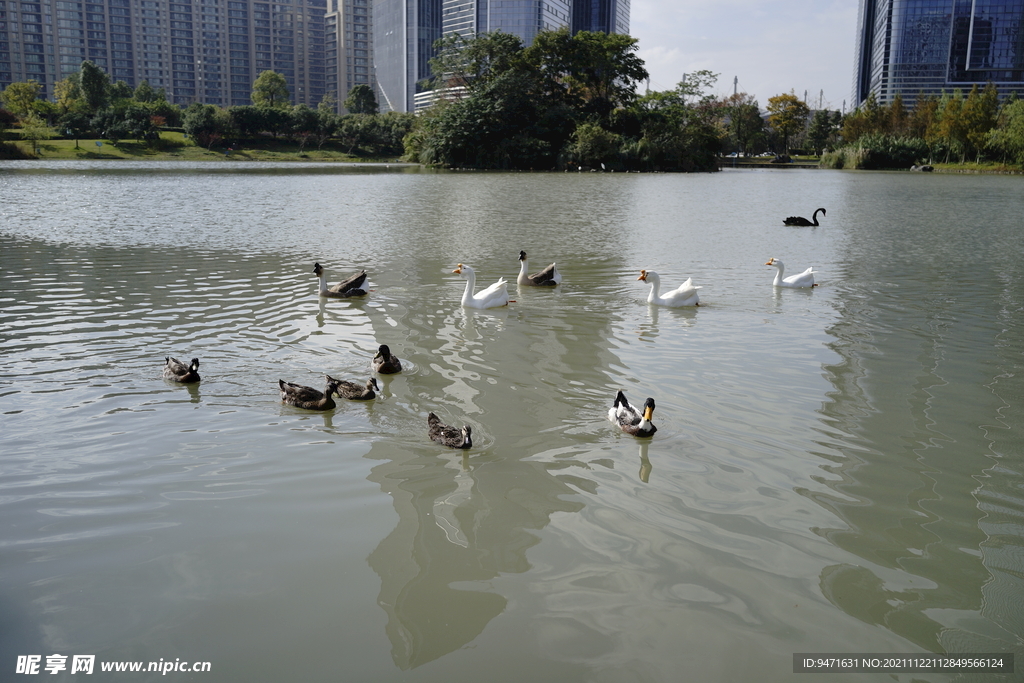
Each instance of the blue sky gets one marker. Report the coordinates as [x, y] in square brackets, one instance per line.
[772, 47]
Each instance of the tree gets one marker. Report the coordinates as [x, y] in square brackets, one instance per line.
[33, 129]
[361, 100]
[270, 89]
[788, 115]
[93, 82]
[476, 61]
[68, 94]
[20, 98]
[206, 123]
[594, 71]
[822, 130]
[1008, 137]
[75, 122]
[120, 91]
[144, 92]
[980, 114]
[745, 123]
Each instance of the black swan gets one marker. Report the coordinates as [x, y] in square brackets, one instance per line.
[801, 221]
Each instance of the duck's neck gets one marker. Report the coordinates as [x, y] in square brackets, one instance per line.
[655, 289]
[470, 276]
[323, 282]
[523, 268]
[778, 275]
[467, 440]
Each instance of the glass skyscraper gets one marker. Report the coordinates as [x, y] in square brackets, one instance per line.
[607, 16]
[910, 47]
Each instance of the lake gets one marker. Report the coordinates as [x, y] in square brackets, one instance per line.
[836, 469]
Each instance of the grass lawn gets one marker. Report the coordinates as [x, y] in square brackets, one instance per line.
[174, 147]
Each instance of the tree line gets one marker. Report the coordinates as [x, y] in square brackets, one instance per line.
[567, 101]
[87, 104]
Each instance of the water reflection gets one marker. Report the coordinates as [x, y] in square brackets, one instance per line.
[922, 416]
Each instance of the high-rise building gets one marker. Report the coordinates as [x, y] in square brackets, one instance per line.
[348, 44]
[606, 16]
[404, 32]
[913, 47]
[207, 51]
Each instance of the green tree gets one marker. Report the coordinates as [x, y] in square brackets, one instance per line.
[206, 123]
[34, 129]
[20, 98]
[144, 92]
[788, 115]
[93, 82]
[822, 131]
[980, 113]
[1007, 138]
[75, 123]
[67, 94]
[270, 89]
[745, 123]
[593, 146]
[474, 62]
[361, 100]
[120, 91]
[593, 71]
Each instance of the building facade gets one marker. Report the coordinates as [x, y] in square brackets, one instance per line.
[206, 51]
[913, 47]
[348, 45]
[605, 16]
[404, 32]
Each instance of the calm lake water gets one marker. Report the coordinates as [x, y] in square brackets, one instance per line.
[836, 470]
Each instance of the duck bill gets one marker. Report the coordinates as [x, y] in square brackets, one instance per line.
[648, 413]
[771, 262]
[458, 269]
[643, 275]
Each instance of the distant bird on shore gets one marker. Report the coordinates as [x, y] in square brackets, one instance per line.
[803, 222]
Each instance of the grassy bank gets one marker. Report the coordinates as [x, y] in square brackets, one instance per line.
[175, 147]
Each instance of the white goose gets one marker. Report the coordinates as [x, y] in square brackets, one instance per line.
[685, 295]
[491, 297]
[804, 279]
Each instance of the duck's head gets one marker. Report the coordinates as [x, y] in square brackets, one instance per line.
[647, 275]
[649, 409]
[318, 270]
[372, 384]
[332, 386]
[194, 365]
[462, 269]
[774, 262]
[383, 352]
[522, 255]
[467, 436]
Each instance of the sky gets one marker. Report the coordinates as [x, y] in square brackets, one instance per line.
[772, 47]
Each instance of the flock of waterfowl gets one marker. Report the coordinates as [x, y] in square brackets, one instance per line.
[630, 420]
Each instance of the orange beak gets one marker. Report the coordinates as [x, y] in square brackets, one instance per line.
[771, 262]
[458, 270]
[648, 412]
[643, 275]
